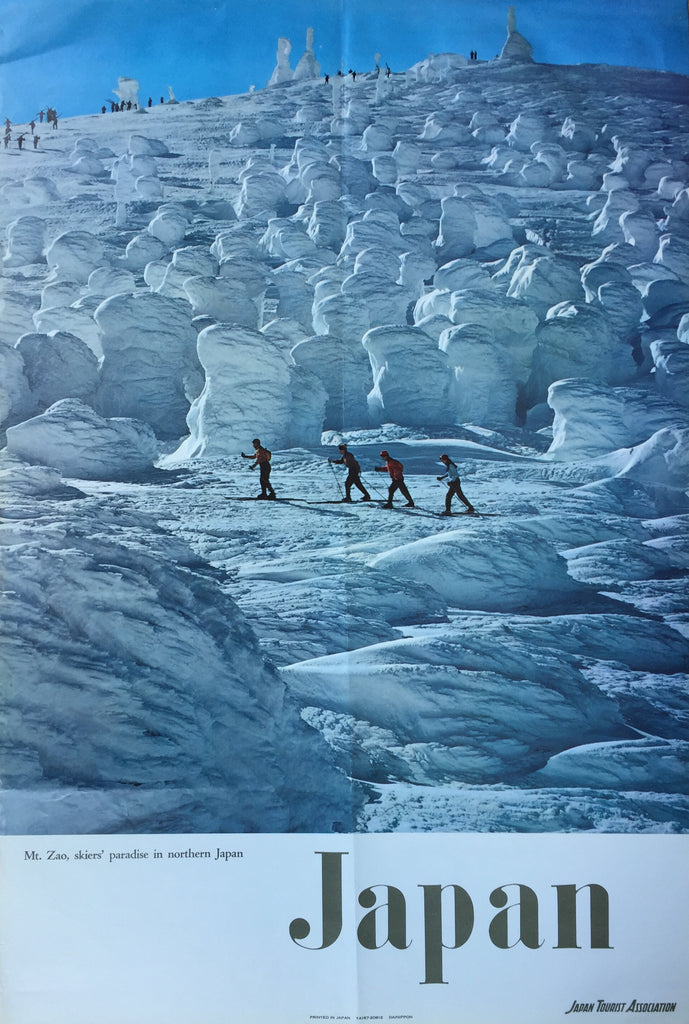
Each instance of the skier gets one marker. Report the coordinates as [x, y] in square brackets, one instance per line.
[36, 140]
[454, 486]
[353, 474]
[396, 471]
[20, 140]
[261, 459]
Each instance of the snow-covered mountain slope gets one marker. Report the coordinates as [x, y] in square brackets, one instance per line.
[488, 260]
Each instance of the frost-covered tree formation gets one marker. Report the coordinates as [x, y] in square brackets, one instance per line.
[485, 259]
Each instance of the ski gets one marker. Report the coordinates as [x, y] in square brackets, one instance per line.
[270, 501]
[371, 503]
[417, 509]
[469, 515]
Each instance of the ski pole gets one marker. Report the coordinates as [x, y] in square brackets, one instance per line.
[372, 487]
[336, 480]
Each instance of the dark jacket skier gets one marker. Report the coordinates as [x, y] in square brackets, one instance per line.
[261, 459]
[353, 473]
[396, 471]
[454, 485]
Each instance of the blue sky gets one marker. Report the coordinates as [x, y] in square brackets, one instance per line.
[70, 53]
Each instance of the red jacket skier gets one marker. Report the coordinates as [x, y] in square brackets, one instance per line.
[396, 471]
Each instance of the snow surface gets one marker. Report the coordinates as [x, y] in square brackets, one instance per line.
[485, 259]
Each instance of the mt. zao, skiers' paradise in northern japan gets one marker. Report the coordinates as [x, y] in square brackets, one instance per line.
[438, 318]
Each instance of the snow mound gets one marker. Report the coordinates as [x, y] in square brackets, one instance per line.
[543, 280]
[243, 388]
[671, 362]
[16, 401]
[355, 609]
[58, 365]
[76, 319]
[169, 226]
[396, 396]
[107, 281]
[25, 242]
[134, 380]
[71, 437]
[73, 255]
[344, 372]
[116, 616]
[661, 461]
[484, 389]
[493, 567]
[416, 710]
[141, 145]
[142, 249]
[578, 340]
[22, 480]
[222, 298]
[590, 420]
[168, 278]
[647, 764]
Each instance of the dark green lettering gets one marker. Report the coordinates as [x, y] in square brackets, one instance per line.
[528, 918]
[331, 902]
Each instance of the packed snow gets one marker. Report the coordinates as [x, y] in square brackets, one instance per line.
[485, 259]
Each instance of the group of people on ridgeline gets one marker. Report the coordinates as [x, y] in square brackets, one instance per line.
[393, 467]
[353, 73]
[473, 55]
[116, 108]
[19, 138]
